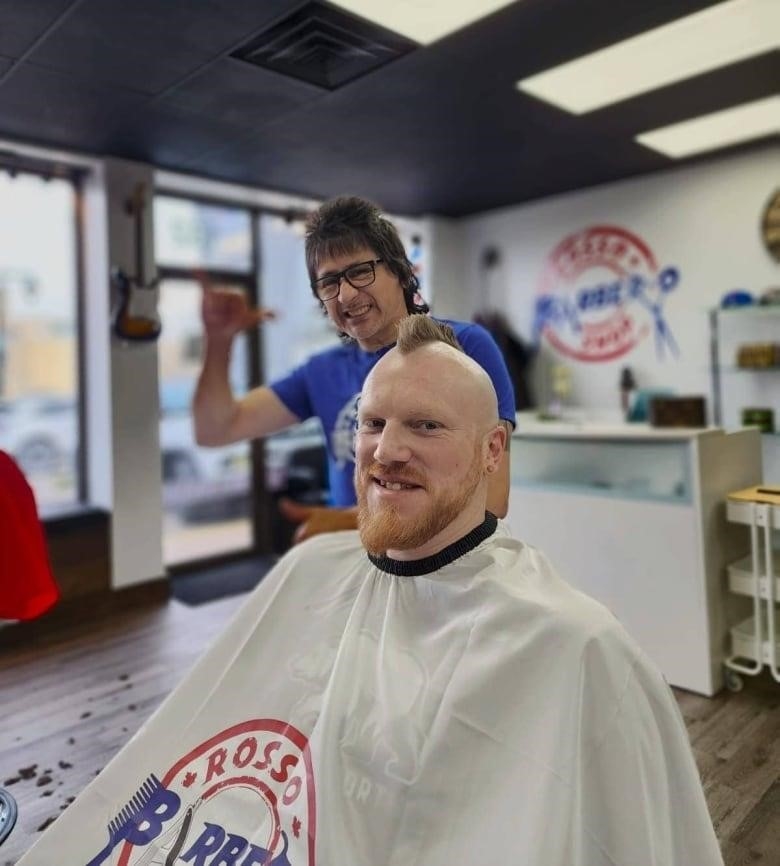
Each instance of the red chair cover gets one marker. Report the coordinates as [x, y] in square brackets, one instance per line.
[27, 586]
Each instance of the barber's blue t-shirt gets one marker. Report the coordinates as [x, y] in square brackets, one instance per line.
[328, 384]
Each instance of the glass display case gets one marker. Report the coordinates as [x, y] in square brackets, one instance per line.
[655, 471]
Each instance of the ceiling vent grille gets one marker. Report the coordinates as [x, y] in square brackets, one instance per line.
[325, 46]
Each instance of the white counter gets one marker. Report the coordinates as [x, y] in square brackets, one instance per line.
[531, 428]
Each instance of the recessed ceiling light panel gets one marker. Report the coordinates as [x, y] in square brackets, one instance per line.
[424, 21]
[718, 36]
[736, 125]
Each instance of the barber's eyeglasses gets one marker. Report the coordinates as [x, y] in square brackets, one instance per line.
[358, 276]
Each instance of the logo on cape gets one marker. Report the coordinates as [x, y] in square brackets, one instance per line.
[246, 795]
[342, 438]
[600, 294]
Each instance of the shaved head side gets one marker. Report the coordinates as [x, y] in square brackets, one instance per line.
[436, 342]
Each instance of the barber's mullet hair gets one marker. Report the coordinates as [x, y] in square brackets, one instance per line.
[345, 224]
[414, 332]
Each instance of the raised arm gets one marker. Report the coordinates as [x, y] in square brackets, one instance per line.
[218, 417]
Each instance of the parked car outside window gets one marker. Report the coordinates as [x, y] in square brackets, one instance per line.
[200, 481]
[40, 432]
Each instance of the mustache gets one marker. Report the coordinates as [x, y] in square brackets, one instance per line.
[399, 472]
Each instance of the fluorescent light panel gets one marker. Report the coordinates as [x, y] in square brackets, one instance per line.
[722, 128]
[424, 21]
[706, 40]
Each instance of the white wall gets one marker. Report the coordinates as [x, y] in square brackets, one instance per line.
[444, 288]
[703, 220]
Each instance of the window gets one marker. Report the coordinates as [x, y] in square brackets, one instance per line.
[39, 368]
[190, 234]
[207, 492]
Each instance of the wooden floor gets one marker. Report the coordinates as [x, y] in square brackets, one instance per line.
[71, 702]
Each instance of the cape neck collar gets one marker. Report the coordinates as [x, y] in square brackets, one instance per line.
[429, 564]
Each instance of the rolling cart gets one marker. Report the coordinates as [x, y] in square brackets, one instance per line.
[755, 641]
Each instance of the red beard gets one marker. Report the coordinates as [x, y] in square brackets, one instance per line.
[385, 527]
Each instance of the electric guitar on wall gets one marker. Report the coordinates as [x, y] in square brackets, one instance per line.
[136, 316]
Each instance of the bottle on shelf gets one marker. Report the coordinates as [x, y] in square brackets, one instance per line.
[627, 388]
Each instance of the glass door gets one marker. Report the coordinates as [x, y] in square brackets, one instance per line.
[207, 492]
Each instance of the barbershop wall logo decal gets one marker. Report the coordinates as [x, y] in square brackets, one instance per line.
[246, 796]
[601, 293]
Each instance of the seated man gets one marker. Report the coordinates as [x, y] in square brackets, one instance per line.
[434, 695]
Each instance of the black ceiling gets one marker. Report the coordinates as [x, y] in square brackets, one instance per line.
[442, 129]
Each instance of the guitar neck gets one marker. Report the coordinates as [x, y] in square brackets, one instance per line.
[136, 206]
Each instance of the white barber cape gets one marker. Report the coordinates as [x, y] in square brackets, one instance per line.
[483, 712]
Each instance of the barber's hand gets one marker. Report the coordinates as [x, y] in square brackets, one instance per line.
[226, 312]
[315, 519]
